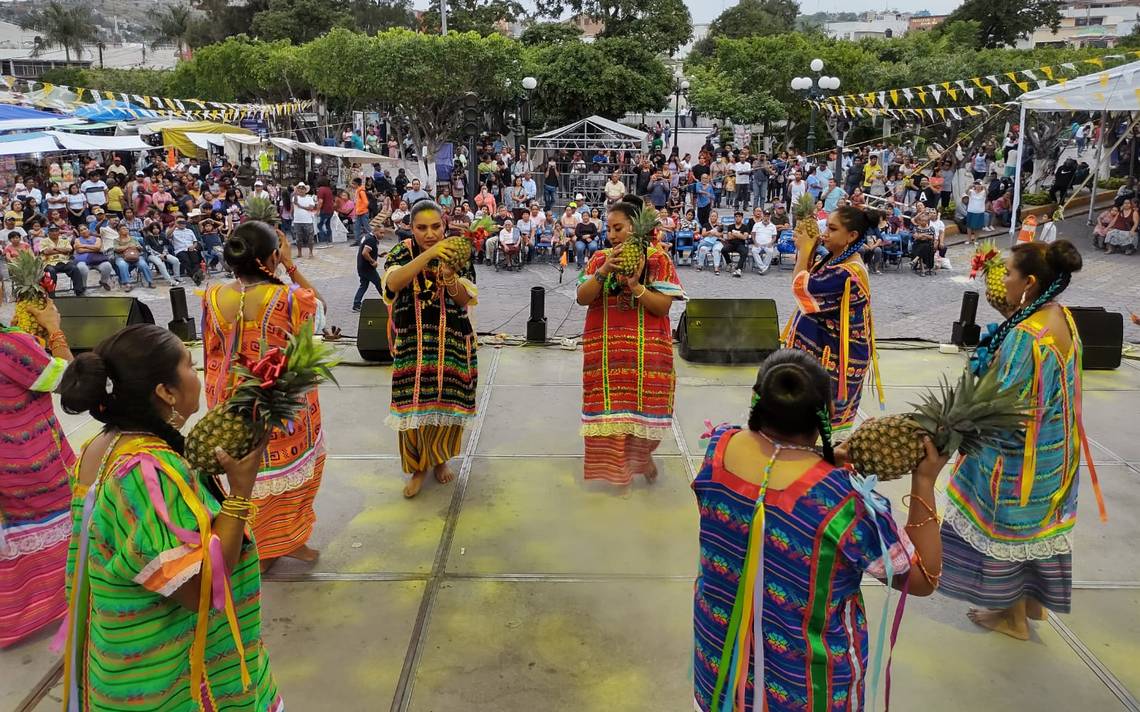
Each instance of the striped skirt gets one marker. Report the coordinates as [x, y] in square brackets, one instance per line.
[429, 445]
[969, 575]
[617, 458]
[31, 592]
[285, 521]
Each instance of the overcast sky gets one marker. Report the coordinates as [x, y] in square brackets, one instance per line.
[707, 10]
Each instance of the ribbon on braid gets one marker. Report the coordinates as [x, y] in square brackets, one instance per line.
[828, 260]
[824, 417]
[990, 344]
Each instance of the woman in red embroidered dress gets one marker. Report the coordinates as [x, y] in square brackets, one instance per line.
[627, 356]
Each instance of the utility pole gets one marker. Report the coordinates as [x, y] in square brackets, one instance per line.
[443, 17]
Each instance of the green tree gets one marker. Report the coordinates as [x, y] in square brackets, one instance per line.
[544, 33]
[1002, 23]
[148, 82]
[172, 24]
[371, 16]
[756, 17]
[63, 26]
[716, 95]
[482, 16]
[241, 69]
[660, 25]
[299, 20]
[608, 77]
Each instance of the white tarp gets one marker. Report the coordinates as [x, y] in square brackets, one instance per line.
[1116, 89]
[81, 142]
[23, 124]
[40, 144]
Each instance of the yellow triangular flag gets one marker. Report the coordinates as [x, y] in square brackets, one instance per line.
[953, 94]
[895, 97]
[1024, 86]
[942, 112]
[988, 90]
[1103, 80]
[978, 81]
[1048, 71]
[1097, 61]
[922, 95]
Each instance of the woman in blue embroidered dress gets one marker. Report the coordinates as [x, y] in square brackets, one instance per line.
[1011, 509]
[786, 536]
[833, 317]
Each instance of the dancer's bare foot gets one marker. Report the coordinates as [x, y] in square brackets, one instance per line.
[443, 473]
[1034, 611]
[304, 553]
[413, 487]
[651, 473]
[1004, 622]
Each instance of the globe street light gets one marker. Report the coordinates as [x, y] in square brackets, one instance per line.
[680, 88]
[814, 89]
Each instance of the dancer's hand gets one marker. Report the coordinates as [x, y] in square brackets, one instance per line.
[610, 265]
[48, 317]
[242, 474]
[634, 279]
[927, 471]
[1136, 318]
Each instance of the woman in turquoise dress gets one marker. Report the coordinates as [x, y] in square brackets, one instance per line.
[833, 320]
[1011, 510]
[786, 536]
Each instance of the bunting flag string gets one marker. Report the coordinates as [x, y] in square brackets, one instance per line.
[150, 106]
[1022, 79]
[921, 114]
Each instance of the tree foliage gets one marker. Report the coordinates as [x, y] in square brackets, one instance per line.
[299, 21]
[66, 26]
[608, 77]
[171, 24]
[1002, 23]
[482, 16]
[749, 18]
[660, 25]
[543, 33]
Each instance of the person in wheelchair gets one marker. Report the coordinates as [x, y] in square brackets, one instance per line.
[510, 243]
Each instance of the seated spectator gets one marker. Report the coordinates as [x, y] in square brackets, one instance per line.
[527, 235]
[129, 258]
[763, 245]
[1103, 224]
[160, 255]
[1121, 237]
[923, 248]
[586, 241]
[89, 253]
[1000, 208]
[711, 244]
[510, 241]
[57, 253]
[186, 248]
[736, 240]
[872, 250]
[211, 240]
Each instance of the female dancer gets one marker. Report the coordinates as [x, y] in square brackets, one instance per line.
[833, 319]
[627, 355]
[435, 367]
[34, 495]
[237, 317]
[144, 630]
[786, 537]
[1008, 528]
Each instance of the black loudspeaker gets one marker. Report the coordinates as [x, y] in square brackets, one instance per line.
[729, 330]
[182, 325]
[372, 332]
[1102, 336]
[536, 325]
[965, 331]
[86, 321]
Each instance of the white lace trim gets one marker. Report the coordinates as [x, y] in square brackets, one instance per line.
[411, 422]
[273, 486]
[27, 539]
[1006, 551]
[640, 430]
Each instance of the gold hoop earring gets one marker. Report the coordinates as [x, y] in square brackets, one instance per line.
[175, 419]
[1023, 295]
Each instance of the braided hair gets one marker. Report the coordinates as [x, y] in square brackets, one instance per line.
[248, 249]
[857, 220]
[792, 396]
[1053, 266]
[115, 382]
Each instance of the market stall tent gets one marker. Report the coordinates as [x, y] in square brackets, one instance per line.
[15, 118]
[174, 133]
[1116, 89]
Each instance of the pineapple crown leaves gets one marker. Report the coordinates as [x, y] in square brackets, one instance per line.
[263, 209]
[987, 256]
[978, 412]
[26, 272]
[304, 365]
[805, 206]
[644, 224]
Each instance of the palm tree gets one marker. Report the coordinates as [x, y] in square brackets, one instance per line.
[171, 24]
[63, 26]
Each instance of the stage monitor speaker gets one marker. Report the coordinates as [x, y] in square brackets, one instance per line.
[372, 332]
[86, 321]
[1102, 337]
[729, 330]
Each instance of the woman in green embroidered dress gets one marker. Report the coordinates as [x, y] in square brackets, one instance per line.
[165, 592]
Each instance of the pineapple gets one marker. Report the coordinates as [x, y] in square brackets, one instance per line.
[988, 261]
[631, 252]
[30, 286]
[262, 209]
[976, 413]
[270, 393]
[805, 217]
[457, 249]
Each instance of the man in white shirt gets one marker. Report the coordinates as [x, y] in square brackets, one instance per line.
[743, 170]
[614, 188]
[304, 218]
[117, 167]
[763, 240]
[259, 190]
[184, 243]
[95, 190]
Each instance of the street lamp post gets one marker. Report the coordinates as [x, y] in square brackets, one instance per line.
[529, 84]
[814, 88]
[680, 88]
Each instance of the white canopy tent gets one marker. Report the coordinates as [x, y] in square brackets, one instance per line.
[61, 142]
[1116, 89]
[38, 144]
[414, 169]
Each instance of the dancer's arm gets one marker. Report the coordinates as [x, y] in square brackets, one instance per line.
[591, 289]
[400, 277]
[922, 525]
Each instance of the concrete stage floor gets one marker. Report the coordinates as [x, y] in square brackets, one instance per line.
[520, 587]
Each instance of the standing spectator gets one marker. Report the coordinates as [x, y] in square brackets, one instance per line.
[76, 206]
[415, 193]
[1062, 180]
[831, 196]
[743, 170]
[872, 173]
[367, 262]
[658, 190]
[326, 208]
[760, 176]
[947, 173]
[304, 218]
[980, 164]
[550, 182]
[703, 198]
[1080, 135]
[975, 210]
[95, 191]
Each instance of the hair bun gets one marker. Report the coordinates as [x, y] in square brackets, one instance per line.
[1063, 256]
[634, 200]
[83, 387]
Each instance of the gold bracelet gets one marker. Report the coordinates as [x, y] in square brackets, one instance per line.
[916, 525]
[644, 289]
[933, 512]
[933, 579]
